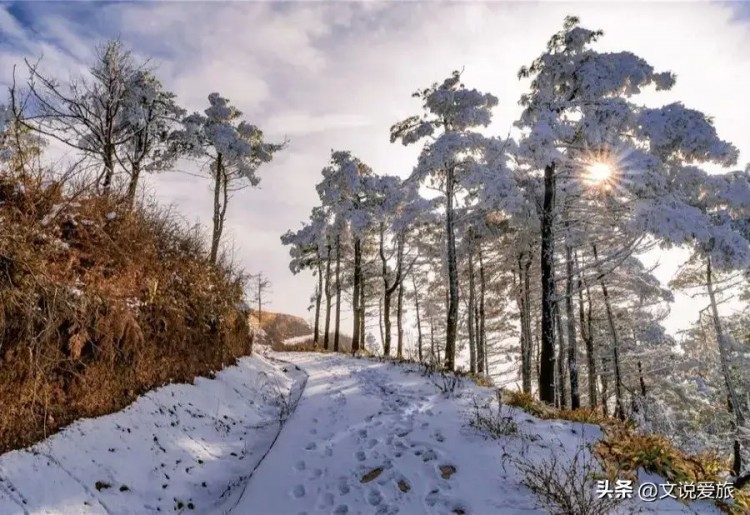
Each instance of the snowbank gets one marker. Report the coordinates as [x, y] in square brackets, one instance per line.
[190, 446]
[298, 339]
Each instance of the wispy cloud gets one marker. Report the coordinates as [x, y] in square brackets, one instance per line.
[337, 75]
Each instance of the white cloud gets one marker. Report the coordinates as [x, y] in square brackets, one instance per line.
[338, 75]
[302, 123]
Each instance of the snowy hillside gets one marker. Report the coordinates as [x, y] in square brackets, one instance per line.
[366, 437]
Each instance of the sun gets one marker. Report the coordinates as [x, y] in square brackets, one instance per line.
[599, 172]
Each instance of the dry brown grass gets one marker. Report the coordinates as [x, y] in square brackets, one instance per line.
[624, 449]
[306, 346]
[99, 304]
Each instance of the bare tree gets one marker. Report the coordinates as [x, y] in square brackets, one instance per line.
[261, 288]
[87, 115]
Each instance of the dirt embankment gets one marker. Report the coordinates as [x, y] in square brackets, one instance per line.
[99, 304]
[279, 326]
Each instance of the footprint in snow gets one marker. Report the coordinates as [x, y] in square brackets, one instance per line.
[311, 446]
[374, 497]
[343, 487]
[360, 455]
[298, 491]
[326, 500]
[432, 498]
[341, 509]
[446, 471]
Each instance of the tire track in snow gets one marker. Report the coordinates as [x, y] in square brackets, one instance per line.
[295, 401]
[75, 478]
[12, 492]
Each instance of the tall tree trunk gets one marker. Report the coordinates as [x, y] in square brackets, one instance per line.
[387, 323]
[318, 301]
[400, 297]
[547, 359]
[524, 304]
[327, 334]
[470, 317]
[432, 340]
[135, 174]
[605, 384]
[452, 319]
[108, 158]
[562, 391]
[537, 348]
[356, 295]
[419, 322]
[587, 335]
[575, 397]
[380, 322]
[388, 290]
[219, 210]
[338, 295]
[482, 367]
[525, 343]
[362, 311]
[640, 379]
[733, 400]
[400, 321]
[620, 411]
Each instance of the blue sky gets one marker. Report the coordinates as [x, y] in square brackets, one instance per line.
[337, 75]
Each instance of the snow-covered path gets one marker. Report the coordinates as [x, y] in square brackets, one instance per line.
[366, 437]
[370, 437]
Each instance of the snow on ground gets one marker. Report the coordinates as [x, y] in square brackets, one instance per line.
[298, 339]
[373, 437]
[178, 447]
[367, 437]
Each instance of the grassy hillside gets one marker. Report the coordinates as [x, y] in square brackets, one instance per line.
[99, 304]
[279, 326]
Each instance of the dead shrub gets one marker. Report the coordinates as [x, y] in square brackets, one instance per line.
[307, 346]
[526, 402]
[494, 422]
[565, 487]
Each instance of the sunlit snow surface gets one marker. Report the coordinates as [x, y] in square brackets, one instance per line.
[354, 416]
